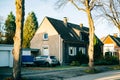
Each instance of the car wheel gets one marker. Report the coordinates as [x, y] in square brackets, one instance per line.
[47, 64]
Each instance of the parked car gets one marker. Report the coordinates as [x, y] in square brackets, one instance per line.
[46, 60]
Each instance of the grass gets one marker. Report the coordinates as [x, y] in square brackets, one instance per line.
[117, 67]
[92, 71]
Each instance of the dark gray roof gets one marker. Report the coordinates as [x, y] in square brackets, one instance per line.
[66, 32]
[116, 39]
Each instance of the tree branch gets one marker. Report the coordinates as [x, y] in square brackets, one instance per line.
[77, 6]
[92, 4]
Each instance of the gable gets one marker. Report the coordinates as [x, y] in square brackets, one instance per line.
[108, 40]
[46, 27]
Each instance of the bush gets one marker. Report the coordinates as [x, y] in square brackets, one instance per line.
[81, 58]
[92, 71]
[75, 63]
[108, 60]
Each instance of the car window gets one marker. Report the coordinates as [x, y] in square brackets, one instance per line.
[44, 56]
[52, 57]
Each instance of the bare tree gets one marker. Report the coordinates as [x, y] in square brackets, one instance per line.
[18, 39]
[86, 6]
[110, 10]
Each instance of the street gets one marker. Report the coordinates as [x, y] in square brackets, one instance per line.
[73, 73]
[55, 75]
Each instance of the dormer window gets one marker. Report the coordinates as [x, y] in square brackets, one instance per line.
[45, 36]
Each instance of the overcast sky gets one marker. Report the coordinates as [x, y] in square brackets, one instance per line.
[44, 8]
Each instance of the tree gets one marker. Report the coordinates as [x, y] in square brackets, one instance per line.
[97, 49]
[110, 9]
[87, 7]
[10, 28]
[30, 27]
[18, 39]
[1, 31]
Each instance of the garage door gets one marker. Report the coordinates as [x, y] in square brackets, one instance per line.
[4, 58]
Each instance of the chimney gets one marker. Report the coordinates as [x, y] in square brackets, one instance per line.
[65, 21]
[115, 34]
[81, 25]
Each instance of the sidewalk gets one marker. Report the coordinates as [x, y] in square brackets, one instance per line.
[109, 75]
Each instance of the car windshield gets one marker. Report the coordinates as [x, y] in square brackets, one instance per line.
[52, 57]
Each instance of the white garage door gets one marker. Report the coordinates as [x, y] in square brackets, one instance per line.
[4, 58]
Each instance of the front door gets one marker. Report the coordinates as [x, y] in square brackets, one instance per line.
[45, 51]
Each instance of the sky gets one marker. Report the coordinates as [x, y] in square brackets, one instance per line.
[48, 8]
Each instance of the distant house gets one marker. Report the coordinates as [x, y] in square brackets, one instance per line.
[111, 45]
[61, 39]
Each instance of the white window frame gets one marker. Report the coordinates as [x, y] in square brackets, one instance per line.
[45, 36]
[82, 49]
[72, 51]
[43, 47]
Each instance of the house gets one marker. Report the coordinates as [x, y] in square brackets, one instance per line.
[111, 45]
[61, 39]
[6, 57]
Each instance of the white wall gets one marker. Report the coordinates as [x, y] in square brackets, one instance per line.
[107, 48]
[7, 49]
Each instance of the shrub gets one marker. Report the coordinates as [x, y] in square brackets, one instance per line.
[75, 63]
[81, 58]
[92, 71]
[108, 60]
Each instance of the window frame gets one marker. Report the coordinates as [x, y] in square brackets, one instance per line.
[82, 49]
[72, 51]
[45, 36]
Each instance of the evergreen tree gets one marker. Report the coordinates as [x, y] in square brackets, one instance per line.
[10, 28]
[30, 26]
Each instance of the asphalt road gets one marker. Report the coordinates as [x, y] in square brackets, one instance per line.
[55, 75]
[75, 73]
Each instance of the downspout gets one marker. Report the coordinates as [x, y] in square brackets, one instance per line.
[60, 50]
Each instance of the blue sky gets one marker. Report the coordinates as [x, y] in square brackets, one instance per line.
[44, 8]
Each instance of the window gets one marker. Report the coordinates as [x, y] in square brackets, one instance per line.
[72, 51]
[45, 36]
[82, 49]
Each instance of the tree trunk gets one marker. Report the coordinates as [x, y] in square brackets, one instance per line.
[91, 41]
[18, 39]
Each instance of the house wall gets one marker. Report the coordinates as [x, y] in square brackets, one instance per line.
[53, 42]
[67, 59]
[45, 27]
